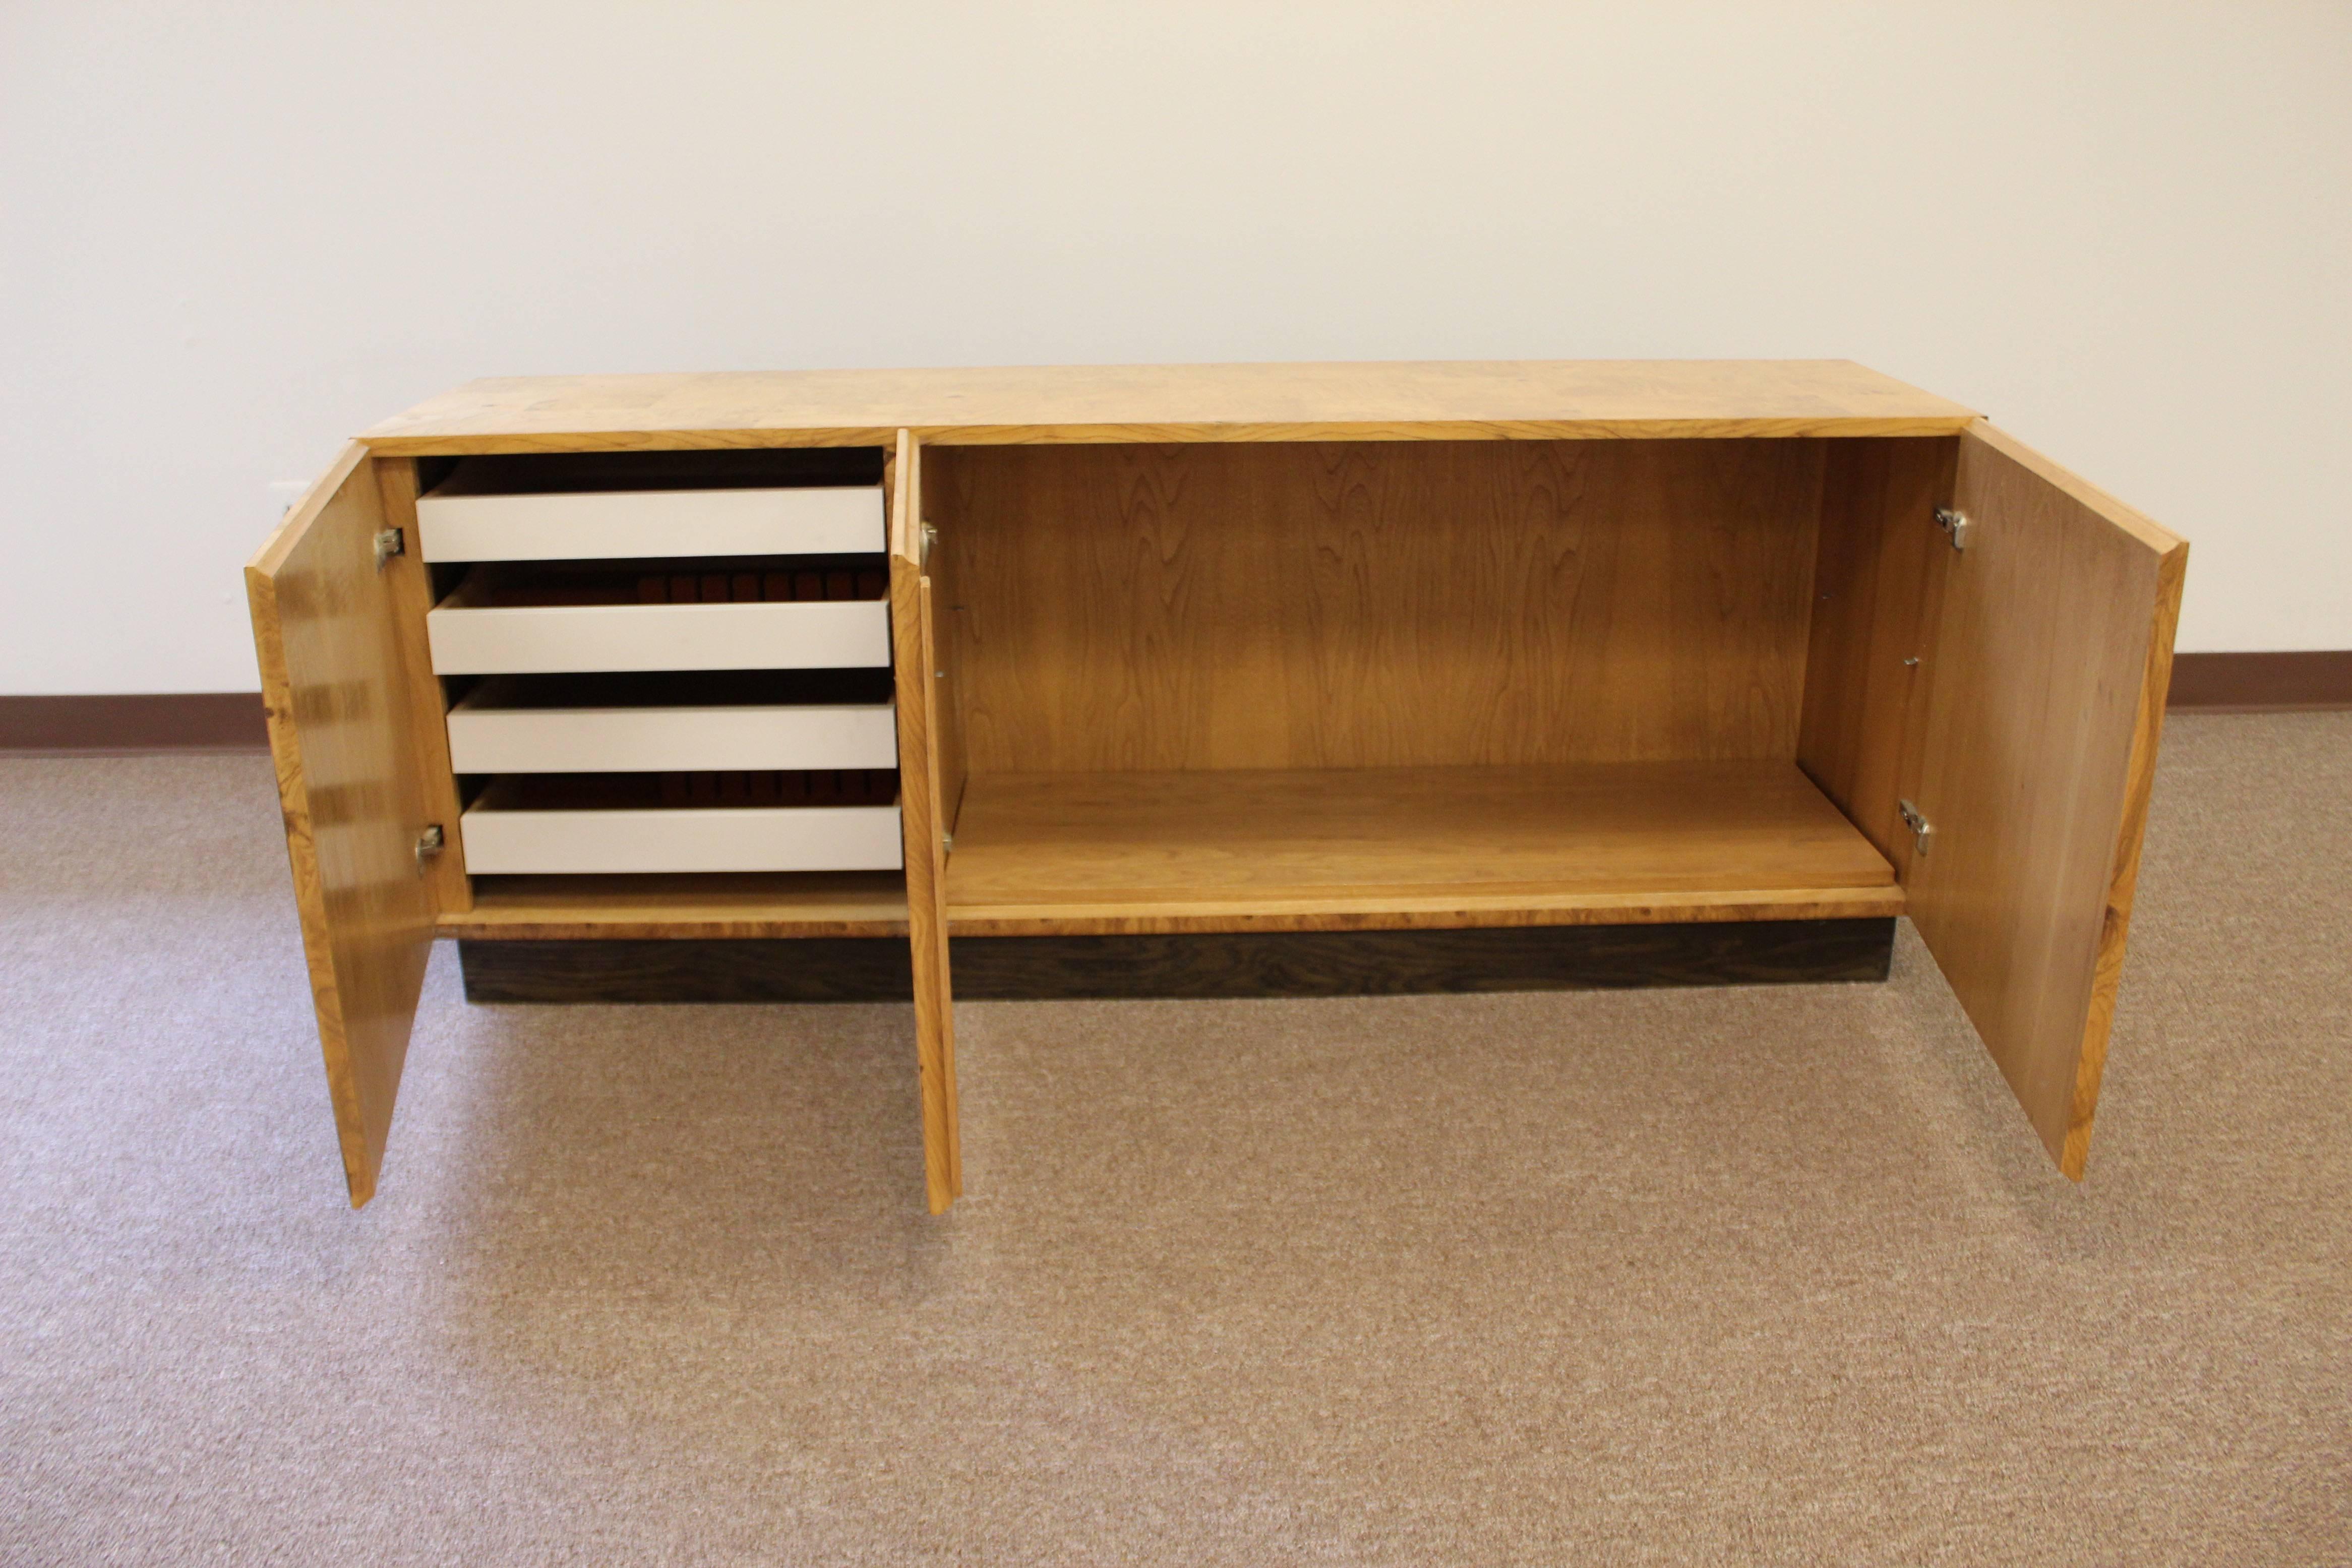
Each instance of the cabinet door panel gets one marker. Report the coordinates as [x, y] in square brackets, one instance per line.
[2051, 651]
[326, 631]
[921, 814]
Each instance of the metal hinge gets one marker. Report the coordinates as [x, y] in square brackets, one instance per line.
[1922, 830]
[947, 842]
[931, 537]
[429, 843]
[1954, 522]
[389, 543]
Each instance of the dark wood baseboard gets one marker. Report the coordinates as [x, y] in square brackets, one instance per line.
[2260, 682]
[1278, 963]
[145, 722]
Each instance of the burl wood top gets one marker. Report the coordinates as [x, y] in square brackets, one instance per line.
[1465, 400]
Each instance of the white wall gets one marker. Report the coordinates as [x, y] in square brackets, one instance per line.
[230, 235]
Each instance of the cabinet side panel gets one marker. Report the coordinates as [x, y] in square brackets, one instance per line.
[324, 631]
[2053, 648]
[1859, 737]
[1384, 604]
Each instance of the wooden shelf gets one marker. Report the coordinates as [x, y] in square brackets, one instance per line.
[736, 906]
[1368, 849]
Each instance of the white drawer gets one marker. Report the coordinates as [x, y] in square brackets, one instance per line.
[597, 525]
[489, 732]
[500, 841]
[470, 638]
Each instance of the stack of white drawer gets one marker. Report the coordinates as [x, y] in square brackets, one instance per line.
[564, 606]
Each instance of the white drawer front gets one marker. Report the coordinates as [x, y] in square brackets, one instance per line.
[672, 740]
[603, 525]
[732, 839]
[595, 638]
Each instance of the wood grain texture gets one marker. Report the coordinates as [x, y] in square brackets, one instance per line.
[1860, 737]
[1391, 911]
[342, 729]
[921, 817]
[741, 905]
[409, 581]
[1355, 605]
[1350, 402]
[2052, 650]
[945, 565]
[2122, 872]
[1309, 963]
[1433, 847]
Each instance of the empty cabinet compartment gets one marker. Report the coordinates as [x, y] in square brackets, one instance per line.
[641, 723]
[542, 826]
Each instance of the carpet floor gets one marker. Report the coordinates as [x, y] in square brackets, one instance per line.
[1773, 1274]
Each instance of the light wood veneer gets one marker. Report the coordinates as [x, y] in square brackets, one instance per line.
[1493, 400]
[1277, 849]
[328, 632]
[737, 907]
[1348, 649]
[1349, 604]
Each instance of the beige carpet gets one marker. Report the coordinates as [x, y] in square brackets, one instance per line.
[1737, 1276]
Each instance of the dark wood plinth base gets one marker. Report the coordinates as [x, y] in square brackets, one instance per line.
[1275, 963]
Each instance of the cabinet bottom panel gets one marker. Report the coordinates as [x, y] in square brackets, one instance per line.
[1222, 964]
[1601, 844]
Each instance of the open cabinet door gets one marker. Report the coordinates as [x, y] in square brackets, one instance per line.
[2051, 654]
[914, 652]
[325, 627]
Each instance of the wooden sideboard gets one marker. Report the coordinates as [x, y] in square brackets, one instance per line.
[1209, 680]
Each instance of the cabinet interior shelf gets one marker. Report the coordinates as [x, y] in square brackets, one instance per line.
[1270, 848]
[1263, 848]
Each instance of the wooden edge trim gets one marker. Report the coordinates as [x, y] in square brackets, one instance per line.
[134, 725]
[1660, 429]
[2123, 875]
[1420, 914]
[898, 478]
[925, 867]
[497, 445]
[504, 926]
[2261, 682]
[282, 540]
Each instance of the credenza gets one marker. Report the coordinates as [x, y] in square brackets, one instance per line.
[1208, 681]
